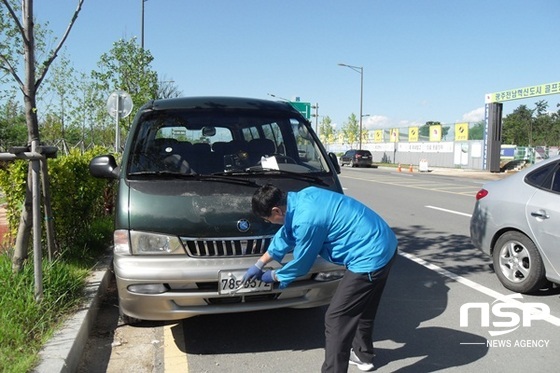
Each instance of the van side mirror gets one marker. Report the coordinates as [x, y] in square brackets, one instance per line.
[104, 166]
[334, 160]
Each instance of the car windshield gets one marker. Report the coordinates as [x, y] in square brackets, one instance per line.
[206, 142]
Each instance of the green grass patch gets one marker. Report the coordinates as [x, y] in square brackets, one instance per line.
[27, 324]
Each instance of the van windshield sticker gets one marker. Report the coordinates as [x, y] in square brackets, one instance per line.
[269, 163]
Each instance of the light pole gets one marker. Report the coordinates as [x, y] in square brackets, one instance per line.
[316, 115]
[142, 33]
[360, 70]
[278, 97]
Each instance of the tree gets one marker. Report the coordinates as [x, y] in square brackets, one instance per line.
[63, 83]
[18, 37]
[542, 130]
[516, 127]
[168, 89]
[351, 129]
[327, 133]
[13, 130]
[125, 67]
[476, 132]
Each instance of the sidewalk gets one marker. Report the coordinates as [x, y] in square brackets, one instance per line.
[458, 172]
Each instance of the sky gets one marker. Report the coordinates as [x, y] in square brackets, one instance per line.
[422, 60]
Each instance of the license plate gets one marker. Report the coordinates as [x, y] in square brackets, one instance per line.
[230, 283]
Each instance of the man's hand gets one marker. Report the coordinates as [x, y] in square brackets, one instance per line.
[268, 277]
[255, 272]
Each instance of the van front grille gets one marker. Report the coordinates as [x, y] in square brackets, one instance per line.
[226, 247]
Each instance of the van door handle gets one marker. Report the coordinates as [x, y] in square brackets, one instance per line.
[540, 214]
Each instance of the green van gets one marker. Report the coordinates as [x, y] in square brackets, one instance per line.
[184, 231]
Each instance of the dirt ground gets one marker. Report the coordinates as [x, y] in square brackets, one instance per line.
[4, 231]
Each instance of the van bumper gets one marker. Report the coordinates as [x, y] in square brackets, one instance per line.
[171, 288]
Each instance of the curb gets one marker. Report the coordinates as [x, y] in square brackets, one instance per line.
[63, 352]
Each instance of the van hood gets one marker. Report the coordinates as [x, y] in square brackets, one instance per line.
[192, 209]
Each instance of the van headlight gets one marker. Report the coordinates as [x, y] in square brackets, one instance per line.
[143, 243]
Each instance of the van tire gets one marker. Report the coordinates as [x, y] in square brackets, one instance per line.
[128, 320]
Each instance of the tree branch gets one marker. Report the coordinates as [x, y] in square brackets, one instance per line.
[54, 54]
[10, 69]
[14, 17]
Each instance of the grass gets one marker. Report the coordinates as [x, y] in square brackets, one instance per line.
[28, 324]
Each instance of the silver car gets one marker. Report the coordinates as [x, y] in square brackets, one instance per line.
[516, 220]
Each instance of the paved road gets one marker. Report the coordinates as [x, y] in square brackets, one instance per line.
[114, 347]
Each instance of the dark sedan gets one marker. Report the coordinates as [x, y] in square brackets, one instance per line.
[357, 158]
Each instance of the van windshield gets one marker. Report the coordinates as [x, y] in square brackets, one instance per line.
[206, 142]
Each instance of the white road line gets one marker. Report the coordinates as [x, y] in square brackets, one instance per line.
[480, 288]
[449, 211]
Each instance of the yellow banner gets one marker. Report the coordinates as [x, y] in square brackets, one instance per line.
[378, 136]
[435, 132]
[394, 135]
[526, 92]
[461, 131]
[412, 134]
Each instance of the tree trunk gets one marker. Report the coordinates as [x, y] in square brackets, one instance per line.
[29, 97]
[49, 221]
[24, 230]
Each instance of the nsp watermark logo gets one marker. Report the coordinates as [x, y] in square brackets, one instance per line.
[507, 314]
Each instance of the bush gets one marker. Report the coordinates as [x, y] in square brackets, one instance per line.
[77, 198]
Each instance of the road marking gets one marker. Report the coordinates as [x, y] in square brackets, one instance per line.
[480, 288]
[449, 211]
[430, 186]
[175, 360]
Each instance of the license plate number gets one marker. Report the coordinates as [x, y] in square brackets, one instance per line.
[230, 283]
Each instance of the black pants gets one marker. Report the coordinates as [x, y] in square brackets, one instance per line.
[350, 316]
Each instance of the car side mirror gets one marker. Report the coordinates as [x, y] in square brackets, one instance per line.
[104, 166]
[334, 161]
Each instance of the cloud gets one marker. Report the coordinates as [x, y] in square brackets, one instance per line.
[375, 122]
[475, 115]
[410, 123]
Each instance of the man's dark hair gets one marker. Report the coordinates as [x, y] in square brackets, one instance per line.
[265, 198]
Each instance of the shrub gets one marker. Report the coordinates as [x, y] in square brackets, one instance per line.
[77, 198]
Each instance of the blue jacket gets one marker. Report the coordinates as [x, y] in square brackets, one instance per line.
[337, 227]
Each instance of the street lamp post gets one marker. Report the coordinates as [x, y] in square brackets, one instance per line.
[142, 25]
[278, 97]
[360, 70]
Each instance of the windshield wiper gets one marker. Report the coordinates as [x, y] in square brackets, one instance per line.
[160, 173]
[295, 175]
[195, 176]
[218, 176]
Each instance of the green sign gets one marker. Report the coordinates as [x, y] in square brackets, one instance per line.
[526, 92]
[303, 107]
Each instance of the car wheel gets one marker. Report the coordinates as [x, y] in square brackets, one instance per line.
[518, 264]
[352, 164]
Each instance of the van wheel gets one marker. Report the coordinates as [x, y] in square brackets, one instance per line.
[518, 264]
[128, 320]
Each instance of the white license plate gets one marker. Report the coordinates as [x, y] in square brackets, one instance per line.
[230, 283]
